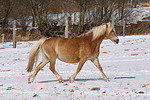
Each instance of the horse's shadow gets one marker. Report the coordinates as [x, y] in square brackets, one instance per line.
[78, 80]
[90, 79]
[125, 77]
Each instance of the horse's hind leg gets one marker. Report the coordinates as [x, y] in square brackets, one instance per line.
[97, 64]
[38, 68]
[52, 68]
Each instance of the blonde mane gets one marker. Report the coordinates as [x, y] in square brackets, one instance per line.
[99, 30]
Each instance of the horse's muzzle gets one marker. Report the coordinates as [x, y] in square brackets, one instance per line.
[116, 41]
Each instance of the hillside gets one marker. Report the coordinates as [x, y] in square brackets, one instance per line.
[142, 27]
[137, 21]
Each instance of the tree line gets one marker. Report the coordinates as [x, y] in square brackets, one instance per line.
[39, 10]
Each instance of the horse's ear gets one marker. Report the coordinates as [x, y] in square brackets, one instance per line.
[108, 24]
[109, 27]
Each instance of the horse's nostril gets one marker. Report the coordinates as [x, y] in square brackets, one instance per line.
[117, 41]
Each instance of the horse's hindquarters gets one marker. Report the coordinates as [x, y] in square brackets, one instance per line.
[66, 50]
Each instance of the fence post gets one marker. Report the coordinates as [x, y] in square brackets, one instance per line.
[14, 34]
[66, 29]
[123, 26]
[3, 37]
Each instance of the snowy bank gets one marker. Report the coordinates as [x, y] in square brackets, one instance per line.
[127, 65]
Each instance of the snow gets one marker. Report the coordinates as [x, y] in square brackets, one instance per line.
[126, 64]
[132, 15]
[138, 14]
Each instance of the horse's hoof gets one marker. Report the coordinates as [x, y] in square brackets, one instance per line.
[71, 80]
[30, 80]
[107, 80]
[61, 81]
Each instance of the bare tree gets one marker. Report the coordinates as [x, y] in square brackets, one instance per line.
[6, 7]
[83, 4]
[92, 13]
[40, 11]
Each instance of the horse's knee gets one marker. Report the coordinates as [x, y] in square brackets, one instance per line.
[51, 68]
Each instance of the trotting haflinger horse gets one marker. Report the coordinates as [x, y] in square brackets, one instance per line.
[71, 50]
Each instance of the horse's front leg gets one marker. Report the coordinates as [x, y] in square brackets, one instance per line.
[97, 64]
[81, 63]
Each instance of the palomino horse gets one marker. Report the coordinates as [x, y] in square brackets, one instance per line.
[71, 50]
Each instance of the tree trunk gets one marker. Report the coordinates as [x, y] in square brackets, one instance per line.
[122, 9]
[14, 34]
[35, 12]
[82, 13]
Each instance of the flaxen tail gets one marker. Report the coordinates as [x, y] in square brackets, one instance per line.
[34, 54]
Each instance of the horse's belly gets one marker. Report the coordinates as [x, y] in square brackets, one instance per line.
[69, 59]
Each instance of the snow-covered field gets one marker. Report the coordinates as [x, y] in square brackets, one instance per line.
[126, 64]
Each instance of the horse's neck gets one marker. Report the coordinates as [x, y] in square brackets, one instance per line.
[89, 38]
[97, 42]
